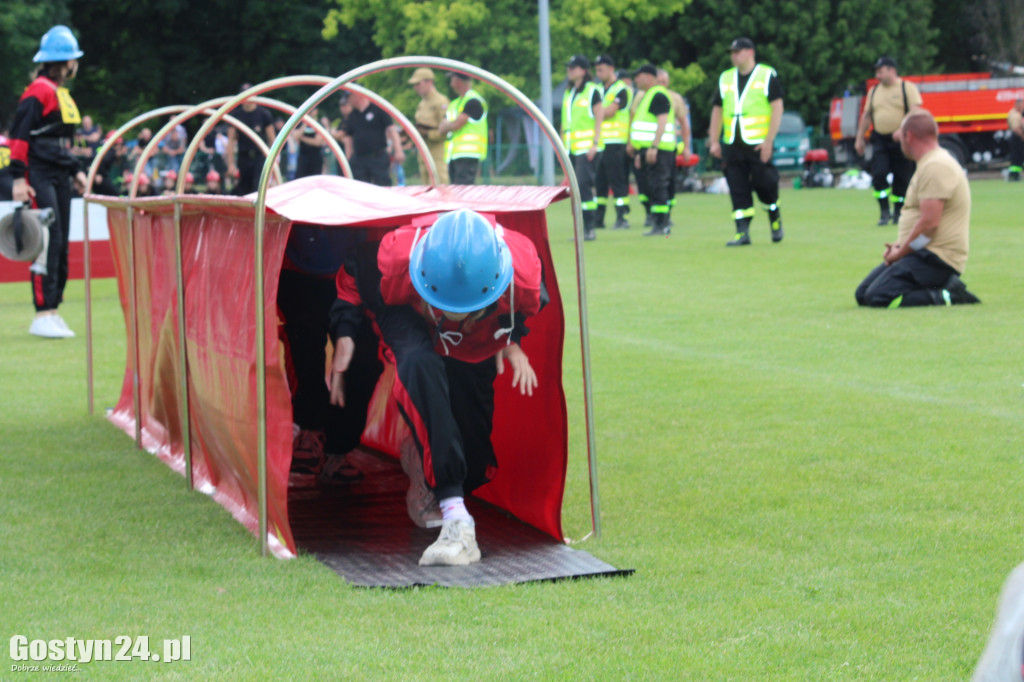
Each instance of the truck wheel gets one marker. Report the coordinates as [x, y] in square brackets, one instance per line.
[955, 147]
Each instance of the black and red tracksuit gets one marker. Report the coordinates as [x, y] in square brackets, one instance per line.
[40, 142]
[445, 369]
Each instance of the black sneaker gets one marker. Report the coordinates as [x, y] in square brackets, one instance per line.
[742, 239]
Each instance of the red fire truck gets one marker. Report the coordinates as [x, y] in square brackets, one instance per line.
[970, 109]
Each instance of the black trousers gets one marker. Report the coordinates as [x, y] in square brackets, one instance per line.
[304, 301]
[373, 168]
[1016, 152]
[250, 167]
[917, 277]
[612, 173]
[586, 174]
[653, 179]
[747, 174]
[887, 157]
[53, 190]
[463, 171]
[451, 401]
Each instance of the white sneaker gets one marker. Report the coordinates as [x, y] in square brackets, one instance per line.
[63, 325]
[48, 328]
[419, 499]
[455, 547]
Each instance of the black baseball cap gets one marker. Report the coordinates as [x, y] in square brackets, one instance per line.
[460, 76]
[578, 60]
[646, 68]
[622, 73]
[604, 59]
[741, 44]
[885, 61]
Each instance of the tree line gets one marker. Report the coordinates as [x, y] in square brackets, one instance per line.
[139, 56]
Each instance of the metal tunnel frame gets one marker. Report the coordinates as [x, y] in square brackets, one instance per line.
[343, 81]
[328, 87]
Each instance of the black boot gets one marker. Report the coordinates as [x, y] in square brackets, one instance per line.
[659, 225]
[897, 206]
[599, 216]
[620, 218]
[775, 219]
[742, 233]
[883, 207]
[589, 233]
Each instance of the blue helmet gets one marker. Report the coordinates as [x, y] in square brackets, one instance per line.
[462, 264]
[58, 45]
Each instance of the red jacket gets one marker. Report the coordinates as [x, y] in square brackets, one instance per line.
[477, 342]
[39, 117]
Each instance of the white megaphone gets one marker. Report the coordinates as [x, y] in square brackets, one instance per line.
[25, 235]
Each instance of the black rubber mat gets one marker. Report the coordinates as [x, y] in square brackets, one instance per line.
[362, 532]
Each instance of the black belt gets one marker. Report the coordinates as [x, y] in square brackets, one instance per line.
[52, 141]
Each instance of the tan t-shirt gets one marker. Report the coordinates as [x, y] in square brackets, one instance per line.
[939, 176]
[885, 105]
[1013, 121]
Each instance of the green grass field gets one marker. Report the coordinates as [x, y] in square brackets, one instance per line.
[807, 490]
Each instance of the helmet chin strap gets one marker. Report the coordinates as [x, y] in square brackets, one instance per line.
[511, 313]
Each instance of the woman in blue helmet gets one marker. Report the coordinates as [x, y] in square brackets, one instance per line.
[43, 167]
[449, 297]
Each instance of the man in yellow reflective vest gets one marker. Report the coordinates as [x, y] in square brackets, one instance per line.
[652, 144]
[582, 116]
[612, 170]
[745, 116]
[465, 125]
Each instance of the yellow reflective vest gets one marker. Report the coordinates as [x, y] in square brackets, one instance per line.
[615, 130]
[578, 118]
[645, 124]
[469, 141]
[749, 110]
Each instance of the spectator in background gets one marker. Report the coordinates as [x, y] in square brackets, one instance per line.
[213, 185]
[310, 153]
[174, 148]
[88, 138]
[368, 130]
[135, 148]
[430, 112]
[111, 167]
[248, 165]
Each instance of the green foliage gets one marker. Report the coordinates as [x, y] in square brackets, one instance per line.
[818, 47]
[21, 27]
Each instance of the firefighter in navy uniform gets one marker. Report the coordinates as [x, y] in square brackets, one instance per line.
[888, 102]
[745, 116]
[612, 171]
[652, 145]
[43, 167]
